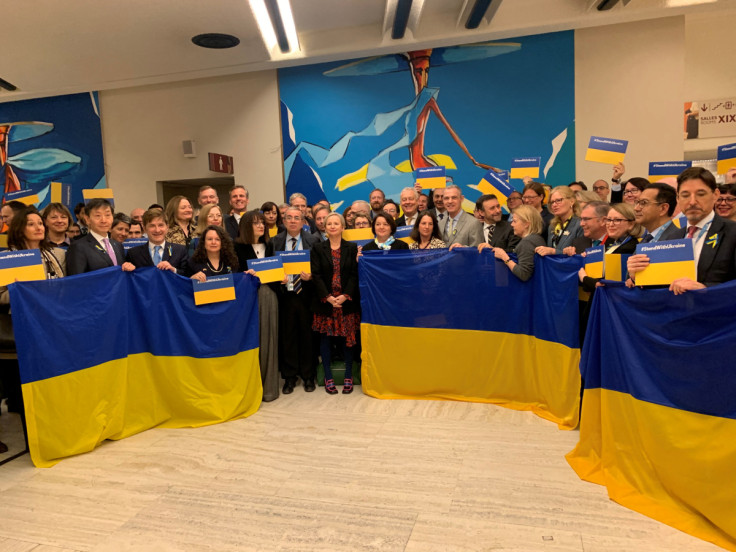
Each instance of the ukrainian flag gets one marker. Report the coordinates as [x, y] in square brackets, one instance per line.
[61, 193]
[668, 261]
[295, 262]
[27, 197]
[525, 166]
[491, 183]
[459, 326]
[109, 354]
[667, 169]
[99, 193]
[594, 262]
[726, 158]
[21, 266]
[659, 414]
[431, 177]
[214, 290]
[359, 236]
[606, 150]
[270, 269]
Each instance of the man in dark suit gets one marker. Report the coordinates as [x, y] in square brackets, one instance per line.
[461, 229]
[534, 195]
[95, 250]
[158, 252]
[238, 205]
[714, 238]
[496, 232]
[296, 347]
[409, 199]
[592, 221]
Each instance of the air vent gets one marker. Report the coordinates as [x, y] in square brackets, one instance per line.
[216, 41]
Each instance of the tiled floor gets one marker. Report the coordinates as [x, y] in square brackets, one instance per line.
[311, 471]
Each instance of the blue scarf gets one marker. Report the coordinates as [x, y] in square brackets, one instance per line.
[386, 244]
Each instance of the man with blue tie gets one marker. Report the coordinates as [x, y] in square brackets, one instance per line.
[95, 250]
[157, 252]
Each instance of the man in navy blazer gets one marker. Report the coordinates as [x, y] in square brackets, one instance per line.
[158, 252]
[95, 250]
[296, 342]
[714, 238]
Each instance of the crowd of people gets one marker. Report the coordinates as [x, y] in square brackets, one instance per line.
[316, 315]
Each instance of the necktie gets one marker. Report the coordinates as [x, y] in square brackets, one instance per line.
[647, 238]
[691, 231]
[448, 228]
[296, 279]
[491, 228]
[110, 251]
[156, 255]
[596, 243]
[441, 216]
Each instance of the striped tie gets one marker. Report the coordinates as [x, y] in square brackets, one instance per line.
[297, 281]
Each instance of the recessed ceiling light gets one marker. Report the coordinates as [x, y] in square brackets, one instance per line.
[217, 41]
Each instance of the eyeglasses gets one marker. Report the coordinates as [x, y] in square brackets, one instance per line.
[721, 199]
[617, 220]
[556, 201]
[635, 191]
[599, 188]
[530, 197]
[588, 219]
[644, 202]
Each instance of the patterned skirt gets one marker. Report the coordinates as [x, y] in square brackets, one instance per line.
[338, 324]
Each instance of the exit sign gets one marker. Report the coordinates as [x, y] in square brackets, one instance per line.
[221, 163]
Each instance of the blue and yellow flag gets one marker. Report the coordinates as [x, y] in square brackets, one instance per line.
[460, 326]
[295, 262]
[606, 150]
[614, 266]
[270, 269]
[667, 169]
[22, 265]
[492, 183]
[61, 193]
[27, 197]
[214, 290]
[659, 414]
[403, 233]
[99, 193]
[431, 177]
[594, 262]
[668, 261]
[525, 166]
[726, 158]
[108, 354]
[359, 236]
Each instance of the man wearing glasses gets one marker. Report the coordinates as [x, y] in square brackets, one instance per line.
[512, 202]
[714, 238]
[534, 195]
[592, 221]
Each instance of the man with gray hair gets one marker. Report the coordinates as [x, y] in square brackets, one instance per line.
[300, 202]
[409, 199]
[360, 207]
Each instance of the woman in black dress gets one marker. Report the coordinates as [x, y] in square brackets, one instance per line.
[214, 255]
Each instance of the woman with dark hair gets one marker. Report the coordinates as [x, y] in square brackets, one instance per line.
[336, 300]
[632, 189]
[120, 227]
[272, 215]
[214, 255]
[384, 228]
[179, 213]
[27, 231]
[726, 203]
[253, 243]
[57, 219]
[391, 209]
[426, 233]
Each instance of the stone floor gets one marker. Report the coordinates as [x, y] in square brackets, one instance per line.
[317, 472]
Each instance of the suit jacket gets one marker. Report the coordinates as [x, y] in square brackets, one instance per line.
[401, 221]
[717, 263]
[503, 236]
[231, 226]
[308, 241]
[322, 276]
[468, 231]
[670, 233]
[525, 255]
[174, 253]
[573, 230]
[86, 254]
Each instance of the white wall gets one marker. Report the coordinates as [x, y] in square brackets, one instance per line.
[629, 85]
[710, 57]
[143, 128]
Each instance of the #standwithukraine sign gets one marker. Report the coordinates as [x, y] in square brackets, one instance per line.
[525, 166]
[726, 158]
[668, 261]
[667, 169]
[25, 265]
[431, 177]
[606, 150]
[214, 290]
[491, 183]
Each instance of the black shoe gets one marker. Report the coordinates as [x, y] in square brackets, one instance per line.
[309, 385]
[288, 387]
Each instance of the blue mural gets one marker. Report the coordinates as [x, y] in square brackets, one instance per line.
[350, 127]
[52, 139]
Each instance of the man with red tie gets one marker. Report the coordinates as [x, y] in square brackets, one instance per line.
[95, 250]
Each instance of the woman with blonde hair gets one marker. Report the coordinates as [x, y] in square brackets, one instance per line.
[209, 215]
[527, 224]
[565, 226]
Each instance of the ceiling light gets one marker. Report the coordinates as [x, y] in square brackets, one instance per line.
[683, 3]
[275, 20]
[401, 16]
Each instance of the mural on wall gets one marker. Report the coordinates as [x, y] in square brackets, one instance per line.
[48, 140]
[350, 127]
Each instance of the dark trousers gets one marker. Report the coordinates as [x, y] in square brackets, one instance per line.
[326, 351]
[295, 337]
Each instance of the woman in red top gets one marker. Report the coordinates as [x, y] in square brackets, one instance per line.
[337, 303]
